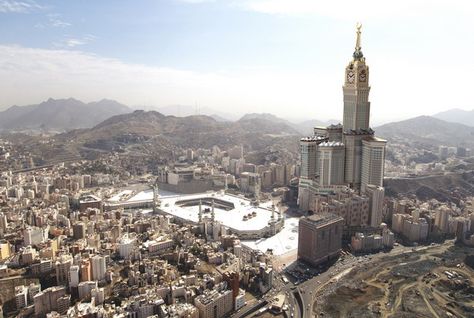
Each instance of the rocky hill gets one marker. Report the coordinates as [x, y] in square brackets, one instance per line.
[429, 131]
[456, 115]
[305, 128]
[450, 187]
[151, 128]
[59, 115]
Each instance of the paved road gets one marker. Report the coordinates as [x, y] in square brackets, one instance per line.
[309, 289]
[306, 291]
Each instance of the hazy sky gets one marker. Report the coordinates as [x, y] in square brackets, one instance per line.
[286, 57]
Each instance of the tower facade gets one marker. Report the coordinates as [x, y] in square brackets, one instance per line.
[373, 158]
[309, 157]
[356, 91]
[356, 121]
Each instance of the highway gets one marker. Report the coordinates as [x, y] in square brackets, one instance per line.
[309, 289]
[301, 297]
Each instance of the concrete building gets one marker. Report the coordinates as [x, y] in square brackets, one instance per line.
[85, 289]
[63, 264]
[21, 296]
[33, 289]
[86, 270]
[388, 237]
[98, 267]
[414, 229]
[442, 219]
[28, 255]
[79, 230]
[366, 243]
[373, 159]
[331, 163]
[126, 246]
[353, 209]
[33, 236]
[4, 250]
[214, 304]
[47, 300]
[309, 156]
[250, 183]
[319, 237]
[98, 294]
[74, 276]
[376, 196]
[160, 246]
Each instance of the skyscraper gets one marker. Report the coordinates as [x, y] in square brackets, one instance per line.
[347, 154]
[319, 237]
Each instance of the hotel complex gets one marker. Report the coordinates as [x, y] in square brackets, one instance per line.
[347, 155]
[341, 177]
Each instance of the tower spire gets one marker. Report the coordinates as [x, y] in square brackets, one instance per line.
[358, 27]
[358, 52]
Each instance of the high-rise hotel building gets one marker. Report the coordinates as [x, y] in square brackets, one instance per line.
[347, 154]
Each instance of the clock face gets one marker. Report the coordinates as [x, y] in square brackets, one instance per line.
[350, 77]
[362, 76]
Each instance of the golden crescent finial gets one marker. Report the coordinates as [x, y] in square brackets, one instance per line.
[358, 26]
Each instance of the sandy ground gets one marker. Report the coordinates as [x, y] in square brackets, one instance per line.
[410, 285]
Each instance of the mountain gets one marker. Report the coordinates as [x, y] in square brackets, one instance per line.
[306, 127]
[457, 115]
[429, 131]
[153, 129]
[264, 116]
[59, 115]
[303, 128]
[448, 187]
[186, 110]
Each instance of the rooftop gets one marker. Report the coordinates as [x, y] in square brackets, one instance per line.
[230, 210]
[321, 219]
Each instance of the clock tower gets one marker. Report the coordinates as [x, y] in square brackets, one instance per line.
[356, 114]
[356, 91]
[347, 155]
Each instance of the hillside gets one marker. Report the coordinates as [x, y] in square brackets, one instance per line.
[187, 110]
[449, 187]
[304, 128]
[59, 115]
[456, 115]
[153, 129]
[428, 131]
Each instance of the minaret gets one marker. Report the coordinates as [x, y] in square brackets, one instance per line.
[156, 197]
[213, 216]
[200, 212]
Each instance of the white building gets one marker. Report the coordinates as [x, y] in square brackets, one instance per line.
[33, 236]
[214, 304]
[85, 289]
[331, 163]
[442, 219]
[74, 276]
[376, 195]
[98, 267]
[160, 246]
[21, 296]
[63, 264]
[99, 295]
[126, 246]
